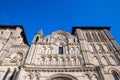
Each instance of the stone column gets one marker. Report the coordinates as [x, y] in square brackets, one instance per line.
[30, 54]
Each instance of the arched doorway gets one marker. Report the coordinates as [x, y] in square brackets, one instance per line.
[62, 77]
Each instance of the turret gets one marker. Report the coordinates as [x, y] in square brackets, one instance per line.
[38, 37]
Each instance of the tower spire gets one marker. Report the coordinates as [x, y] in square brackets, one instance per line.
[40, 32]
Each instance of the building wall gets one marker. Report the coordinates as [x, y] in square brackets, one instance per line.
[13, 51]
[87, 54]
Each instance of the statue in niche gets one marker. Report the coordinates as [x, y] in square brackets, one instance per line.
[54, 61]
[49, 51]
[61, 61]
[72, 50]
[72, 61]
[42, 51]
[67, 61]
[77, 61]
[41, 61]
[77, 51]
[47, 61]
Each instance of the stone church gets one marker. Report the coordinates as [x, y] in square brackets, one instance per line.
[88, 53]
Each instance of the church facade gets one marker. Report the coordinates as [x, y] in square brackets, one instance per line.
[88, 53]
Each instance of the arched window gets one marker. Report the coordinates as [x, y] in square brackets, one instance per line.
[88, 37]
[61, 49]
[115, 75]
[36, 39]
[95, 37]
[101, 37]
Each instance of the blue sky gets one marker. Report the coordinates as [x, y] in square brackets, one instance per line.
[51, 15]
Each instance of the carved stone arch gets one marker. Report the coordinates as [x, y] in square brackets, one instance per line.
[115, 73]
[61, 32]
[113, 69]
[61, 47]
[112, 60]
[104, 60]
[36, 76]
[29, 76]
[60, 35]
[96, 60]
[58, 43]
[62, 77]
[78, 61]
[16, 52]
[87, 77]
[95, 77]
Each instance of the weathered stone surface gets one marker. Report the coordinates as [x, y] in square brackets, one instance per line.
[89, 54]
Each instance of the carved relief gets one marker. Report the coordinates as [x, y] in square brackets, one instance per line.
[17, 58]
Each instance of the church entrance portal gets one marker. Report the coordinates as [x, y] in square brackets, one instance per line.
[62, 77]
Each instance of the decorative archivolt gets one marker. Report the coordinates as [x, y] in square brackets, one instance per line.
[63, 76]
[66, 34]
[113, 69]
